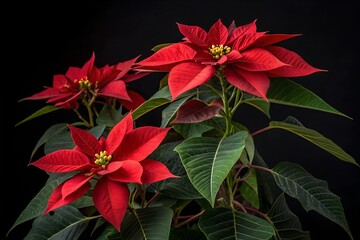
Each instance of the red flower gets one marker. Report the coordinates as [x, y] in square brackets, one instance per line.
[119, 159]
[79, 83]
[245, 57]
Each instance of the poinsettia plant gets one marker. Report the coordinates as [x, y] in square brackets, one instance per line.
[196, 176]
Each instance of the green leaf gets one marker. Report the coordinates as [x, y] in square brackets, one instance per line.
[222, 223]
[192, 129]
[160, 46]
[170, 111]
[312, 193]
[49, 133]
[159, 99]
[84, 201]
[109, 116]
[207, 161]
[287, 225]
[147, 223]
[162, 93]
[149, 105]
[97, 131]
[286, 92]
[258, 103]
[163, 200]
[62, 140]
[267, 187]
[317, 139]
[38, 113]
[37, 205]
[250, 147]
[67, 223]
[178, 188]
[109, 233]
[164, 81]
[249, 190]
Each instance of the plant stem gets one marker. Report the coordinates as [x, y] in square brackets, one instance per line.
[230, 191]
[152, 199]
[257, 212]
[227, 110]
[239, 205]
[260, 131]
[214, 89]
[82, 118]
[190, 219]
[238, 101]
[262, 168]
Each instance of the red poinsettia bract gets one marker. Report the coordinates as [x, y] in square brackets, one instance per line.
[245, 57]
[119, 159]
[79, 83]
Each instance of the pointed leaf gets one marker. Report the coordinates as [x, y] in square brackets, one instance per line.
[164, 92]
[170, 111]
[258, 103]
[312, 193]
[118, 132]
[222, 223]
[141, 142]
[62, 161]
[192, 129]
[256, 83]
[287, 225]
[84, 201]
[66, 223]
[194, 34]
[154, 171]
[160, 46]
[111, 200]
[109, 233]
[173, 53]
[297, 66]
[50, 132]
[149, 105]
[258, 59]
[207, 161]
[40, 112]
[37, 205]
[178, 188]
[241, 30]
[246, 40]
[249, 190]
[218, 33]
[286, 92]
[85, 141]
[270, 39]
[61, 140]
[195, 111]
[250, 148]
[317, 139]
[147, 223]
[109, 116]
[188, 75]
[267, 187]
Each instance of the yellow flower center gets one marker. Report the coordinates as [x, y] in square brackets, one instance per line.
[84, 83]
[102, 159]
[218, 50]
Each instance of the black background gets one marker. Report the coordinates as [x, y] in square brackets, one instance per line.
[47, 38]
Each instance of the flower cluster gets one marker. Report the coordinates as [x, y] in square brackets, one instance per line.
[245, 57]
[112, 162]
[199, 173]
